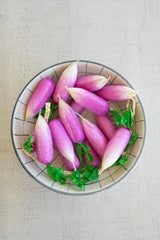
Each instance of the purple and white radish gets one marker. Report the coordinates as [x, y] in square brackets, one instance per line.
[116, 93]
[97, 160]
[91, 83]
[44, 143]
[115, 148]
[69, 165]
[68, 78]
[94, 136]
[40, 96]
[71, 122]
[106, 126]
[76, 107]
[62, 141]
[89, 100]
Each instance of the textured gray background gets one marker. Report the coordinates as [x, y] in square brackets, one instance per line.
[122, 34]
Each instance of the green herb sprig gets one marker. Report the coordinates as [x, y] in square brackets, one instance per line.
[79, 177]
[28, 145]
[132, 140]
[122, 160]
[126, 118]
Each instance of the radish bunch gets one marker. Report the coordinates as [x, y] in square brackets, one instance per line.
[104, 140]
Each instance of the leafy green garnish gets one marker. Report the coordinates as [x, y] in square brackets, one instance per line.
[126, 118]
[52, 111]
[79, 177]
[28, 145]
[132, 140]
[122, 160]
[53, 75]
[82, 149]
[80, 154]
[56, 174]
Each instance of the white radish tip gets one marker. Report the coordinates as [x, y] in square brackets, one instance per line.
[67, 88]
[39, 120]
[58, 96]
[74, 167]
[39, 113]
[100, 171]
[40, 117]
[79, 115]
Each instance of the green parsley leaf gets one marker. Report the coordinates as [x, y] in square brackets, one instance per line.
[116, 116]
[79, 153]
[52, 111]
[53, 75]
[30, 139]
[79, 177]
[91, 175]
[132, 140]
[76, 176]
[28, 145]
[56, 174]
[86, 150]
[122, 160]
[126, 118]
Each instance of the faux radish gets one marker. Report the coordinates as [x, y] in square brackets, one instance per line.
[68, 78]
[106, 126]
[116, 93]
[115, 148]
[89, 100]
[44, 143]
[70, 122]
[62, 140]
[91, 83]
[94, 136]
[40, 96]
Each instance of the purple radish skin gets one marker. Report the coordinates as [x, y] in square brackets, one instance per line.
[69, 165]
[40, 96]
[76, 107]
[106, 126]
[115, 148]
[44, 143]
[71, 122]
[94, 136]
[91, 83]
[68, 78]
[97, 160]
[89, 100]
[116, 93]
[62, 140]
